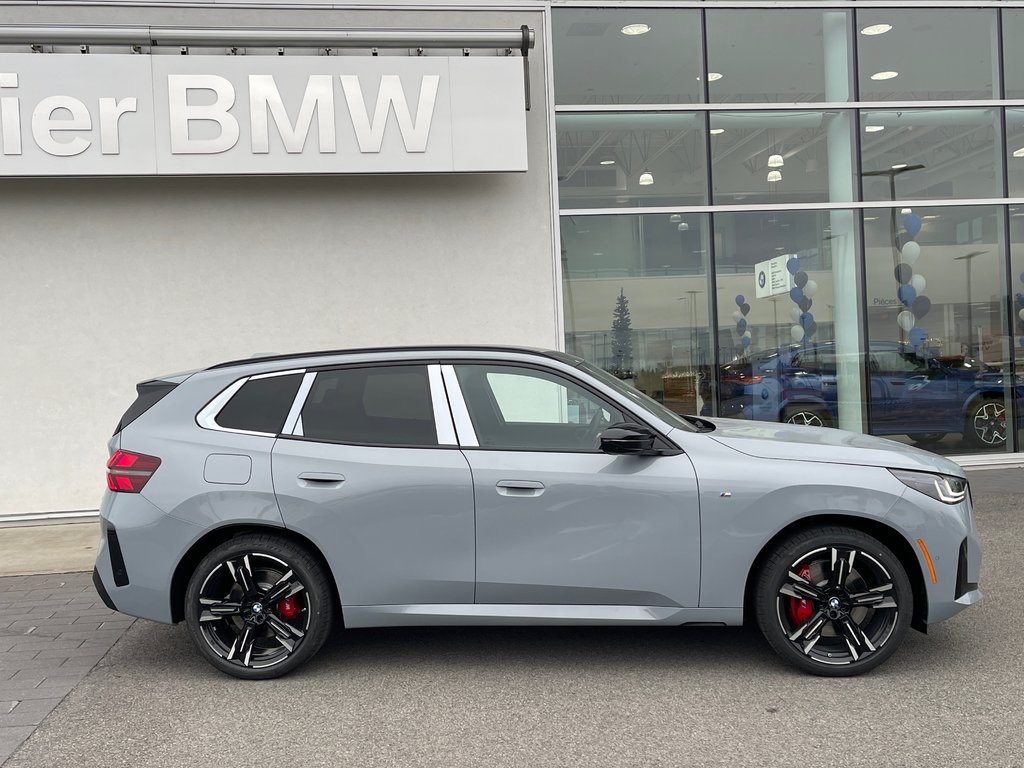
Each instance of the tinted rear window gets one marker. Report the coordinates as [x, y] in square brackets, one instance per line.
[261, 405]
[371, 406]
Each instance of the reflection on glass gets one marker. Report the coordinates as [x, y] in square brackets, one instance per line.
[1015, 151]
[1013, 53]
[903, 58]
[630, 159]
[931, 153]
[772, 55]
[1017, 313]
[613, 56]
[938, 348]
[635, 291]
[781, 157]
[786, 310]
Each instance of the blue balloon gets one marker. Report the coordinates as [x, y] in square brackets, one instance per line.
[796, 294]
[918, 336]
[741, 324]
[745, 342]
[912, 223]
[907, 294]
[1020, 299]
[739, 300]
[793, 265]
[1022, 341]
[806, 319]
[1022, 277]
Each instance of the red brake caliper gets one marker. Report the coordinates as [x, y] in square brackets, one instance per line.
[289, 609]
[801, 610]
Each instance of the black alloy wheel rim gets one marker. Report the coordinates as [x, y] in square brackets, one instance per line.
[241, 615]
[989, 423]
[853, 608]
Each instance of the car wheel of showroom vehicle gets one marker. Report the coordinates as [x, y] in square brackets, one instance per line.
[258, 606]
[806, 415]
[985, 425]
[833, 601]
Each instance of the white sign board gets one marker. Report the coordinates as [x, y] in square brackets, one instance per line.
[771, 277]
[141, 115]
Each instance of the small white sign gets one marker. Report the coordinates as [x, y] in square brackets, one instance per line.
[140, 115]
[771, 277]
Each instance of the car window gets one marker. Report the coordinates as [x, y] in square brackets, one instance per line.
[527, 409]
[388, 405]
[261, 405]
[891, 361]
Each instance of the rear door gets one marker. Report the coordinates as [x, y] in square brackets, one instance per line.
[371, 472]
[558, 522]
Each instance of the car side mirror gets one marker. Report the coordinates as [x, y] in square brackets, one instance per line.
[628, 439]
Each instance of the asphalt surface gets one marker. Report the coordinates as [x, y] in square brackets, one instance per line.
[570, 697]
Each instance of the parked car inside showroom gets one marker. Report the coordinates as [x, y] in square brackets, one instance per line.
[911, 393]
[266, 501]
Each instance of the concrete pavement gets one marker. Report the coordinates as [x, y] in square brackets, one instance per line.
[594, 696]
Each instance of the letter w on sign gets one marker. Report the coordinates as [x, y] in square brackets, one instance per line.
[371, 135]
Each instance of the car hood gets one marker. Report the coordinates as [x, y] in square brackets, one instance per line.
[766, 440]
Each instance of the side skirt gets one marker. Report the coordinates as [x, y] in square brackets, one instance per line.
[419, 615]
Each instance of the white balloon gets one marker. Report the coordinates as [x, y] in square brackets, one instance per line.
[911, 251]
[736, 316]
[811, 288]
[794, 313]
[746, 334]
[919, 283]
[906, 320]
[1021, 314]
[796, 332]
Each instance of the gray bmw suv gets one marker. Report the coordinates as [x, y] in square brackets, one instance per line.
[266, 501]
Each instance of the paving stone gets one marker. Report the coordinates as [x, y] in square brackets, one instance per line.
[11, 738]
[30, 712]
[60, 687]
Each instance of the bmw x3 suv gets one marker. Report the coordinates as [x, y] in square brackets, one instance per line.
[265, 502]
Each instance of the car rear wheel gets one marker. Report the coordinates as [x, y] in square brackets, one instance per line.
[986, 423]
[806, 415]
[833, 601]
[258, 606]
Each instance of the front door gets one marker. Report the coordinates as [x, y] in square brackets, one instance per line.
[558, 522]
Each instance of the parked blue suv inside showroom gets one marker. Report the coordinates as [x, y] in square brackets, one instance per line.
[910, 393]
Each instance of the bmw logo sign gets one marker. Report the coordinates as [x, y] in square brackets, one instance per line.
[761, 279]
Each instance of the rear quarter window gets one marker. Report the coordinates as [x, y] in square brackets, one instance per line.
[261, 405]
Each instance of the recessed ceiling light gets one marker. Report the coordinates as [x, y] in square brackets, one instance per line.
[636, 29]
[873, 128]
[870, 218]
[598, 253]
[716, 131]
[876, 29]
[1018, 152]
[886, 75]
[608, 161]
[929, 218]
[712, 76]
[899, 166]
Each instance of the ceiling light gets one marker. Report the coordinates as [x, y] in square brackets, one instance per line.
[870, 218]
[622, 198]
[712, 76]
[928, 218]
[683, 226]
[776, 161]
[608, 161]
[1018, 152]
[774, 176]
[646, 179]
[876, 29]
[716, 131]
[899, 166]
[675, 218]
[886, 75]
[873, 128]
[636, 29]
[905, 211]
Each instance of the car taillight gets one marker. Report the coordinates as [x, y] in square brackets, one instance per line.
[129, 472]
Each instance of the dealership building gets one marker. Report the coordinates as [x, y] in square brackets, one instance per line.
[783, 211]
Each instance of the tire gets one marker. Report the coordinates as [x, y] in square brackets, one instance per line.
[806, 416]
[985, 425]
[826, 615]
[258, 606]
[928, 438]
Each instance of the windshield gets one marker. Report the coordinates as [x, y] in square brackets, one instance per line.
[637, 397]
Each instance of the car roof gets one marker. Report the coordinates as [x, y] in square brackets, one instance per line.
[446, 350]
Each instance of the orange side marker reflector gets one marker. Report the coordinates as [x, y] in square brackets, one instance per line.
[928, 559]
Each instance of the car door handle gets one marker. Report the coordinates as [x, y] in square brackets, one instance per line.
[321, 480]
[522, 488]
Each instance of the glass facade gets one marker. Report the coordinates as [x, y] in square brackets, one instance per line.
[803, 215]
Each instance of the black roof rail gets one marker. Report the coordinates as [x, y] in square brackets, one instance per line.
[554, 355]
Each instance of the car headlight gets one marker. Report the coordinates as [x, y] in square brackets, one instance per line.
[944, 488]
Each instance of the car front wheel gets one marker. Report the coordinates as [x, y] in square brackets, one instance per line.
[986, 423]
[834, 601]
[258, 606]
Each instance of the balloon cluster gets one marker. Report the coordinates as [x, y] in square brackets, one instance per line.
[740, 316]
[804, 325]
[911, 285]
[1020, 314]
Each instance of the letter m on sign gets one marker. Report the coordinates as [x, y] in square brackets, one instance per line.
[370, 135]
